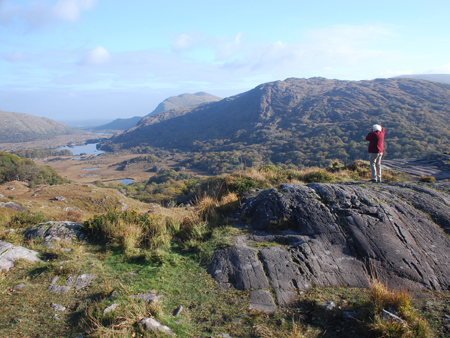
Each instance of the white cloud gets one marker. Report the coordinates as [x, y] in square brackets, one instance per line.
[185, 42]
[40, 13]
[69, 10]
[226, 48]
[338, 50]
[96, 56]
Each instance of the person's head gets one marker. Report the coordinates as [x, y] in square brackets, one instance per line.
[376, 127]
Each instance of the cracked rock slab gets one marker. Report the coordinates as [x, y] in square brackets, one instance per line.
[55, 231]
[10, 253]
[261, 300]
[61, 289]
[14, 206]
[240, 267]
[340, 235]
[84, 280]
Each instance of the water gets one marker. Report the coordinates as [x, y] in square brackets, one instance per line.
[88, 149]
[127, 181]
[91, 168]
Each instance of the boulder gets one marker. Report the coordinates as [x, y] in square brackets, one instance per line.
[84, 280]
[57, 307]
[61, 289]
[55, 231]
[341, 235]
[151, 324]
[9, 253]
[13, 205]
[110, 308]
[19, 286]
[148, 297]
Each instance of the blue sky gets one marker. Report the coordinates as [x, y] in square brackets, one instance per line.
[106, 59]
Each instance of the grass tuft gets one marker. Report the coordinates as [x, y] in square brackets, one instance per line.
[397, 301]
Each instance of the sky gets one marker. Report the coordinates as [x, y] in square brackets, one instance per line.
[74, 60]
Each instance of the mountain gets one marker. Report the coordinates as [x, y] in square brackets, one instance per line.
[184, 100]
[444, 78]
[120, 124]
[302, 122]
[172, 102]
[19, 127]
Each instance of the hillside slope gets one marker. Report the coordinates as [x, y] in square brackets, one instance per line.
[19, 127]
[305, 121]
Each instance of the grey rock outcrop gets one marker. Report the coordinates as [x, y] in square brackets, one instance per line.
[81, 282]
[9, 253]
[261, 300]
[435, 165]
[338, 235]
[84, 280]
[61, 289]
[13, 205]
[55, 231]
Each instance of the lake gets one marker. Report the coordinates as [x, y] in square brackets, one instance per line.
[127, 181]
[88, 149]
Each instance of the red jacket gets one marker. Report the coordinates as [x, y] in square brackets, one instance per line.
[376, 141]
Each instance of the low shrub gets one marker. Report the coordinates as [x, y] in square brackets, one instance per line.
[427, 179]
[335, 166]
[318, 176]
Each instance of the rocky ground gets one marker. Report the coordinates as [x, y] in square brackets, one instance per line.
[322, 235]
[436, 165]
[295, 240]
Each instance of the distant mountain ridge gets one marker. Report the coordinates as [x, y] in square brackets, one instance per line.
[303, 122]
[184, 100]
[173, 102]
[120, 124]
[444, 78]
[20, 127]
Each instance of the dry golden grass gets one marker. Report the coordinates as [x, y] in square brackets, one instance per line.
[382, 297]
[121, 322]
[79, 201]
[228, 198]
[400, 301]
[206, 205]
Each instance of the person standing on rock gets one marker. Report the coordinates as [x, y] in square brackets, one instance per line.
[376, 148]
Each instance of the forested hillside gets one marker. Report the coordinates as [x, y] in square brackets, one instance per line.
[301, 122]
